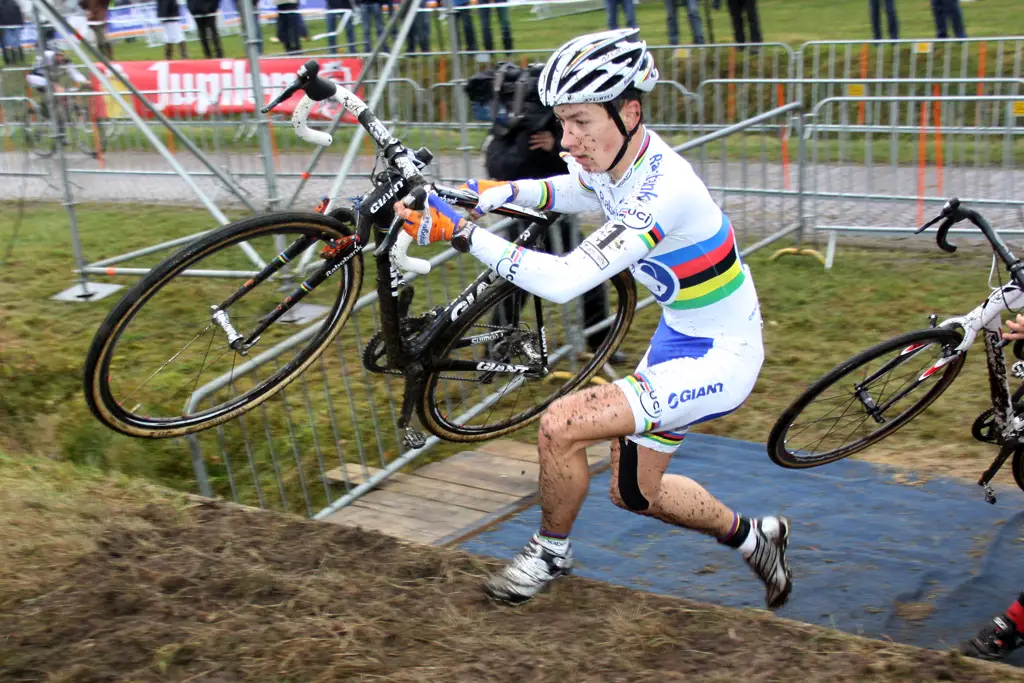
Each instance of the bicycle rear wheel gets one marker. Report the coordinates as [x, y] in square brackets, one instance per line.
[859, 402]
[485, 399]
[160, 355]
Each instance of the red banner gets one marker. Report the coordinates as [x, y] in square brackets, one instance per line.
[201, 87]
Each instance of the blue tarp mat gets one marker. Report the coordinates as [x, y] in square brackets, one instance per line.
[925, 564]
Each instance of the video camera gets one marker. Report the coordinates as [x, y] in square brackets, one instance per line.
[507, 95]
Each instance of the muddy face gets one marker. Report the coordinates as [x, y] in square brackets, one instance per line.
[590, 135]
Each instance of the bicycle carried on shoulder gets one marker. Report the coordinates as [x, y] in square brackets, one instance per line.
[141, 391]
[876, 392]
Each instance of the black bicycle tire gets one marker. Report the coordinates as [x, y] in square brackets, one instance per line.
[776, 441]
[98, 396]
[440, 427]
[1018, 467]
[32, 139]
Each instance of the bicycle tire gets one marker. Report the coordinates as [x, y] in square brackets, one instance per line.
[441, 427]
[1018, 467]
[777, 449]
[96, 376]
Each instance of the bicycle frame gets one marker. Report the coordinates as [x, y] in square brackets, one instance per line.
[411, 355]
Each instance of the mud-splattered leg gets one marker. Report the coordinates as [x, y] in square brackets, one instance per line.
[568, 426]
[672, 498]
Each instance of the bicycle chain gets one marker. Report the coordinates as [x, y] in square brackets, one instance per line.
[410, 326]
[983, 424]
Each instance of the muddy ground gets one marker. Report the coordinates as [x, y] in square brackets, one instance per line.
[108, 580]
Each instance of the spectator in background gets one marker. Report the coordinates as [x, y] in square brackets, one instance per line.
[465, 19]
[169, 14]
[288, 24]
[692, 12]
[372, 15]
[205, 14]
[96, 14]
[876, 19]
[946, 12]
[419, 33]
[737, 8]
[11, 21]
[333, 18]
[628, 8]
[503, 22]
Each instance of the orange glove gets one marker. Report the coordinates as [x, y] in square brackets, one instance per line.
[439, 222]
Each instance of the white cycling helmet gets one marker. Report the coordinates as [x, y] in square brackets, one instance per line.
[597, 67]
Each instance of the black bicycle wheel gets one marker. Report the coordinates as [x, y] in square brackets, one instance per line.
[38, 133]
[159, 351]
[502, 329]
[859, 402]
[1018, 467]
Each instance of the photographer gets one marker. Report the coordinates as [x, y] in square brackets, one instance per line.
[524, 143]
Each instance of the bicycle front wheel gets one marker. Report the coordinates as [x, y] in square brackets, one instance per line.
[162, 365]
[866, 398]
[511, 354]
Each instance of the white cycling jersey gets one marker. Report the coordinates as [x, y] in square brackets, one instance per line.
[662, 224]
[665, 227]
[37, 76]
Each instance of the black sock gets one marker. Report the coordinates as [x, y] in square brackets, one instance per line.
[739, 533]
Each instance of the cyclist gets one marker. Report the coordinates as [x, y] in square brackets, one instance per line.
[706, 352]
[52, 61]
[38, 77]
[1005, 633]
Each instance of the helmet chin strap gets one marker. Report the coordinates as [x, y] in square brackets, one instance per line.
[628, 135]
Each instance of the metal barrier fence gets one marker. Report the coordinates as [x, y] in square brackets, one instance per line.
[791, 143]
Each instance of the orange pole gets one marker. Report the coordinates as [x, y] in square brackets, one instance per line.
[96, 132]
[982, 50]
[937, 122]
[731, 107]
[863, 74]
[273, 144]
[921, 158]
[785, 142]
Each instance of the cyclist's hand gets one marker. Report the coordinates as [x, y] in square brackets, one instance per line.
[492, 194]
[1016, 328]
[438, 222]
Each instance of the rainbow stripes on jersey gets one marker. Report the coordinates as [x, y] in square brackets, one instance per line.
[708, 271]
[643, 151]
[547, 195]
[667, 438]
[643, 387]
[653, 236]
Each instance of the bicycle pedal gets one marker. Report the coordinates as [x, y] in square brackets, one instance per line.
[414, 439]
[990, 494]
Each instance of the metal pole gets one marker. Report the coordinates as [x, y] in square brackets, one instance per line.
[453, 37]
[62, 161]
[378, 93]
[320, 151]
[69, 32]
[262, 120]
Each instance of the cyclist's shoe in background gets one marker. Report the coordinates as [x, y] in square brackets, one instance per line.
[531, 571]
[995, 641]
[768, 558]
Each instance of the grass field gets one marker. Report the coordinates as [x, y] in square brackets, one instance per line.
[813, 319]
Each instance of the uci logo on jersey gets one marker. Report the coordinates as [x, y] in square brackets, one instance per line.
[636, 218]
[689, 394]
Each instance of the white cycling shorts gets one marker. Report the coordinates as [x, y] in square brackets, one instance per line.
[668, 397]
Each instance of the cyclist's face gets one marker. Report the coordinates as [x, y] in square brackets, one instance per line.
[590, 135]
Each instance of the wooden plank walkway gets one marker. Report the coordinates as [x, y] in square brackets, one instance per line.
[447, 501]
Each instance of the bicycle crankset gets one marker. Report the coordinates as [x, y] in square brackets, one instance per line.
[374, 353]
[983, 428]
